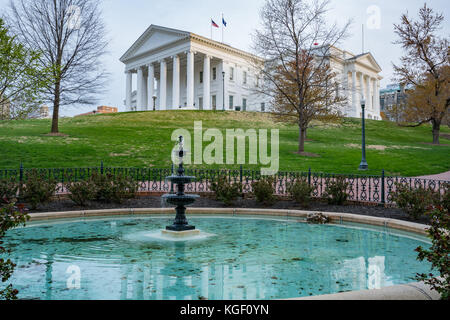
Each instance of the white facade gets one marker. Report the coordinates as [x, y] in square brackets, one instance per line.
[182, 70]
[359, 78]
[185, 71]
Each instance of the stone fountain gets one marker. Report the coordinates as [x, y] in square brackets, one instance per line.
[180, 227]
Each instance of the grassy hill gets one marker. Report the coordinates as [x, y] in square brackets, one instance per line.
[143, 139]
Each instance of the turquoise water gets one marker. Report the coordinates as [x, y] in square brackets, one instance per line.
[247, 258]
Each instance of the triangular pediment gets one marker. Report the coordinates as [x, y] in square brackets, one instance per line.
[153, 38]
[368, 60]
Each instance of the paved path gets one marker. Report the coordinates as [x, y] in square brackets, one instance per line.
[442, 176]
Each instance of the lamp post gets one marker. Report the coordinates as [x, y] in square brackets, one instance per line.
[363, 166]
[223, 87]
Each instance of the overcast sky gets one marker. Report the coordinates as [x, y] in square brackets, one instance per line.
[126, 20]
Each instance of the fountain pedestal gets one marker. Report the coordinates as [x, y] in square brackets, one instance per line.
[180, 226]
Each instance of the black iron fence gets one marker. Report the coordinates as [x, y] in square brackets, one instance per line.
[362, 188]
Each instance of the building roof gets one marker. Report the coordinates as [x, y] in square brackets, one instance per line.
[181, 35]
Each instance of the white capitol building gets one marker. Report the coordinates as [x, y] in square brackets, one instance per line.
[177, 69]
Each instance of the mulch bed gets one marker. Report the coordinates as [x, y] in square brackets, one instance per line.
[207, 202]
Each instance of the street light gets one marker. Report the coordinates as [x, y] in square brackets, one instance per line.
[363, 166]
[223, 83]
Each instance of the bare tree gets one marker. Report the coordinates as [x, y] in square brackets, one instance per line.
[71, 36]
[296, 41]
[425, 66]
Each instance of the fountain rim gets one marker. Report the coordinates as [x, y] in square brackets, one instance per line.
[388, 223]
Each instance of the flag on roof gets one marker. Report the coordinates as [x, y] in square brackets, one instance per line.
[214, 24]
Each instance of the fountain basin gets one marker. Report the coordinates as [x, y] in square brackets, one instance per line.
[249, 257]
[180, 200]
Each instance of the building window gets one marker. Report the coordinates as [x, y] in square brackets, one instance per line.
[214, 102]
[231, 106]
[214, 73]
[201, 76]
[257, 81]
[200, 103]
[231, 73]
[263, 107]
[245, 77]
[244, 104]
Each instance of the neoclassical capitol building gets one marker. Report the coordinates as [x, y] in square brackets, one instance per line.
[181, 70]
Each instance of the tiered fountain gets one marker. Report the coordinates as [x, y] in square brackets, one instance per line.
[180, 227]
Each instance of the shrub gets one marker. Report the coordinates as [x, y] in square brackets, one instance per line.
[38, 189]
[439, 253]
[110, 188]
[264, 190]
[81, 192]
[336, 191]
[414, 201]
[8, 190]
[317, 218]
[225, 190]
[300, 191]
[10, 217]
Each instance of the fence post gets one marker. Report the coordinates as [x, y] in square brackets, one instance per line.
[383, 195]
[101, 168]
[309, 177]
[241, 177]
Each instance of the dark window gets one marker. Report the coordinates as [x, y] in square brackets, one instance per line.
[263, 107]
[214, 73]
[231, 102]
[201, 76]
[244, 104]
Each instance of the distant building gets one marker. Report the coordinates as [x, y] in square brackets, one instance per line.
[100, 110]
[41, 113]
[394, 95]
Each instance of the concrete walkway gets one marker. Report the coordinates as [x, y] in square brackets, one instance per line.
[442, 176]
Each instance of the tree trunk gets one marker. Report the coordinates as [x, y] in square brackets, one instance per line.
[436, 130]
[55, 119]
[301, 139]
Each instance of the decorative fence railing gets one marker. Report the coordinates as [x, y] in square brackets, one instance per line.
[362, 188]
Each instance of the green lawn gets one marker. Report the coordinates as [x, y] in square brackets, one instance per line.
[143, 139]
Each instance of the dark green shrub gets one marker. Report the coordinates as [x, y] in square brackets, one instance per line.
[225, 190]
[336, 191]
[110, 188]
[8, 190]
[264, 190]
[38, 188]
[10, 217]
[439, 253]
[414, 201]
[300, 191]
[81, 191]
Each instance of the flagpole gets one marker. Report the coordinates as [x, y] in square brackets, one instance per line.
[223, 27]
[210, 23]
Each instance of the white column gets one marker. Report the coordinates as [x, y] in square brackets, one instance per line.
[144, 92]
[361, 89]
[377, 96]
[129, 89]
[374, 94]
[163, 86]
[140, 94]
[207, 83]
[190, 80]
[368, 95]
[354, 106]
[176, 83]
[151, 86]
